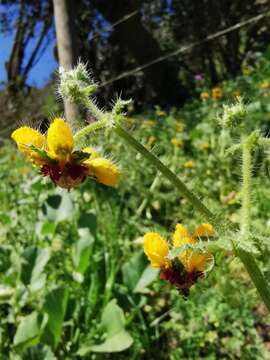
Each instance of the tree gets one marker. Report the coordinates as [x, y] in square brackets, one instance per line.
[29, 16]
[66, 44]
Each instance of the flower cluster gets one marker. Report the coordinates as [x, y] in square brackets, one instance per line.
[55, 157]
[185, 263]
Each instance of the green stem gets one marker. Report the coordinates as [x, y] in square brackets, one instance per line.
[168, 174]
[89, 129]
[246, 189]
[246, 258]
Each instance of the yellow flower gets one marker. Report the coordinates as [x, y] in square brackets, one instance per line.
[179, 126]
[160, 113]
[177, 142]
[151, 140]
[189, 164]
[130, 120]
[264, 85]
[156, 249]
[148, 123]
[193, 261]
[246, 71]
[236, 93]
[217, 93]
[130, 108]
[204, 95]
[55, 157]
[204, 230]
[204, 146]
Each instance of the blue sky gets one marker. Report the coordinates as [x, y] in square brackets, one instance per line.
[41, 72]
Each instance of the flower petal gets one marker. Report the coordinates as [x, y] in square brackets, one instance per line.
[105, 171]
[26, 137]
[91, 151]
[60, 140]
[182, 236]
[204, 230]
[156, 249]
[196, 261]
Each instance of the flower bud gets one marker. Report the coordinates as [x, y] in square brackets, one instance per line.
[76, 84]
[233, 115]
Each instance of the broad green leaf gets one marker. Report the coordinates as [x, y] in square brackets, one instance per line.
[147, 277]
[116, 343]
[58, 207]
[117, 338]
[34, 262]
[132, 270]
[82, 250]
[55, 306]
[38, 352]
[88, 220]
[29, 330]
[66, 208]
[113, 319]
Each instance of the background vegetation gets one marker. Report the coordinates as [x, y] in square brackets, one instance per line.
[74, 282]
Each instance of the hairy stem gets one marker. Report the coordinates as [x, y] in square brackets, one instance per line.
[89, 129]
[246, 189]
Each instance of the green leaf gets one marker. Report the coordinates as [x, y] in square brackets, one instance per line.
[88, 220]
[117, 338]
[132, 270]
[116, 343]
[82, 250]
[66, 208]
[34, 262]
[38, 352]
[59, 208]
[55, 307]
[147, 277]
[29, 330]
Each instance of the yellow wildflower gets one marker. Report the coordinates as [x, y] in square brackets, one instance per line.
[177, 142]
[189, 164]
[264, 85]
[205, 146]
[160, 113]
[130, 120]
[217, 93]
[179, 126]
[236, 93]
[151, 140]
[55, 157]
[204, 95]
[148, 123]
[130, 108]
[194, 261]
[157, 250]
[246, 71]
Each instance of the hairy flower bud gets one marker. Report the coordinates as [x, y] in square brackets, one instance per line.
[233, 115]
[76, 84]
